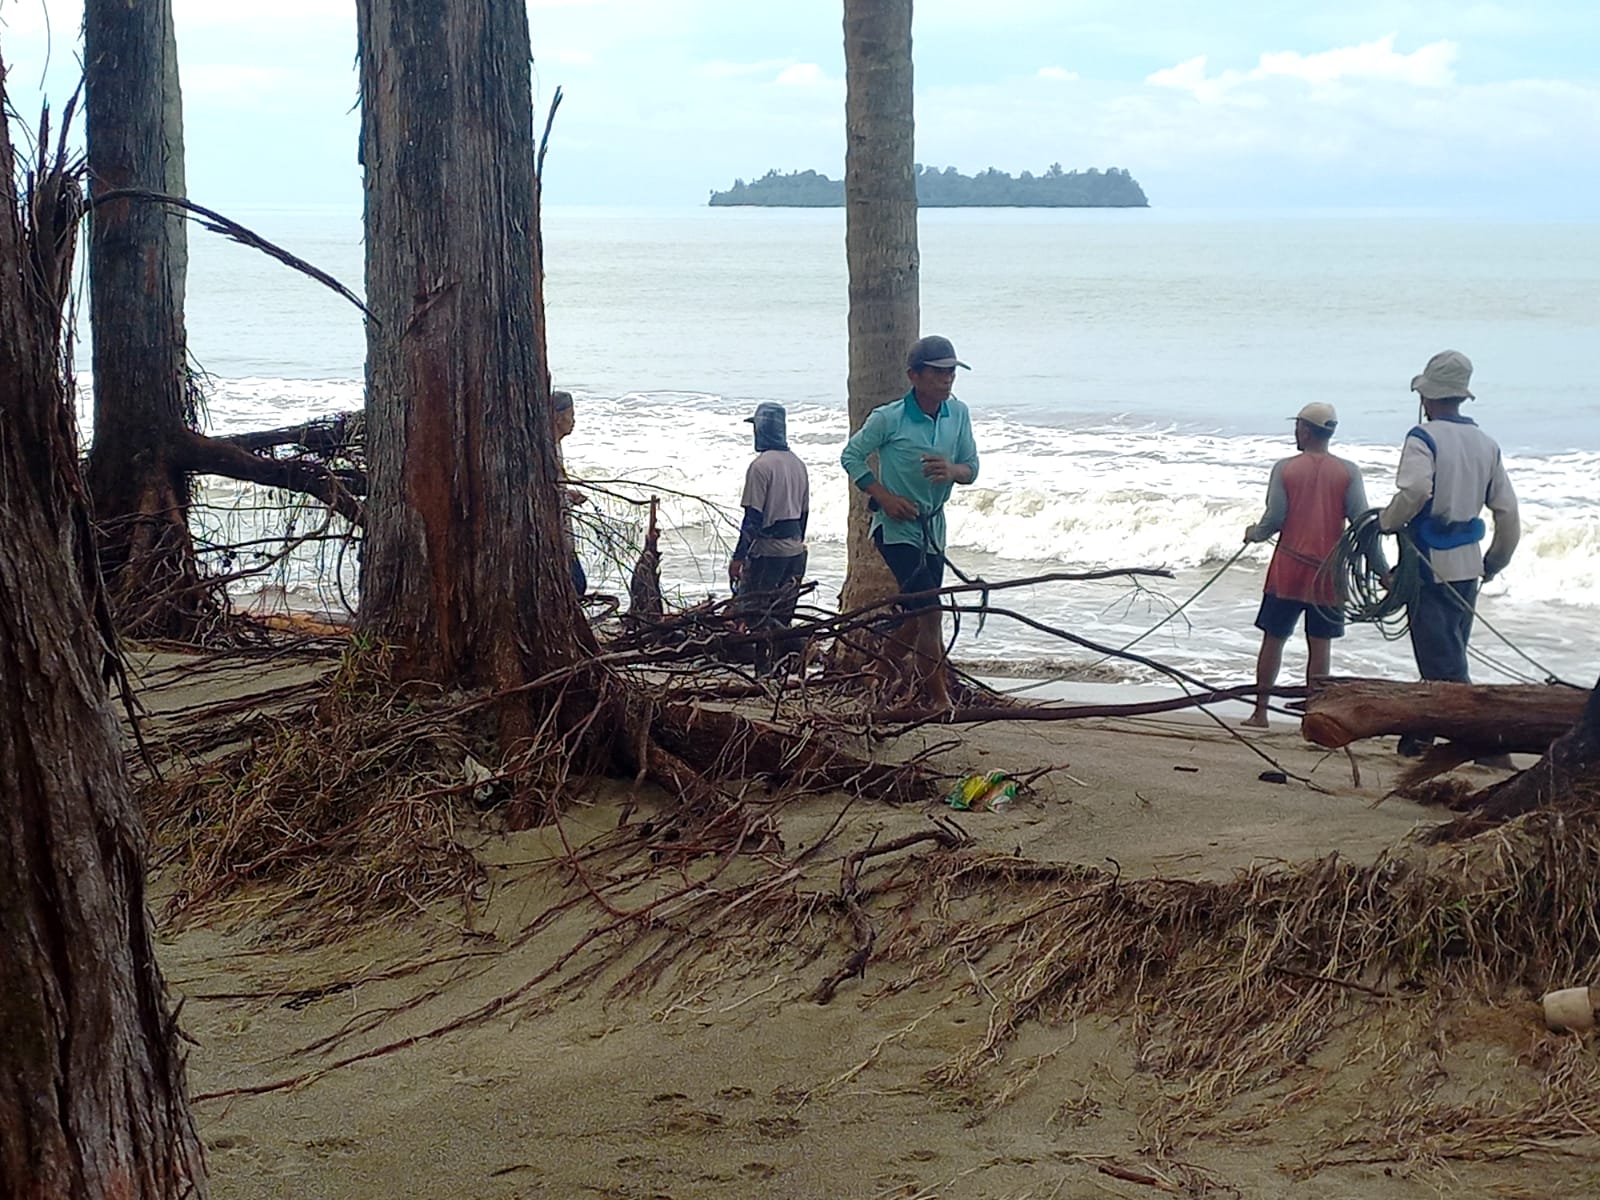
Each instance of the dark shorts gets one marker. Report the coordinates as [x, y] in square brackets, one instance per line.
[767, 598]
[1279, 616]
[914, 570]
[770, 590]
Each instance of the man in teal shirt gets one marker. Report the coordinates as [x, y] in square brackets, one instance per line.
[925, 447]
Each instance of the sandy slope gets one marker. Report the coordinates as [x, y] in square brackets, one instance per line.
[730, 1082]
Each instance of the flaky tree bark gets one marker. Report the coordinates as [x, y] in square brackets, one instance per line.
[146, 447]
[143, 414]
[464, 571]
[880, 197]
[92, 1096]
[1572, 763]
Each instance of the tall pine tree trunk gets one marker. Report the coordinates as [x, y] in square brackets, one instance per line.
[92, 1096]
[880, 196]
[464, 571]
[143, 412]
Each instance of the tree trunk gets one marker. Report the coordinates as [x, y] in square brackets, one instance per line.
[1573, 758]
[880, 198]
[1492, 718]
[464, 572]
[92, 1095]
[137, 259]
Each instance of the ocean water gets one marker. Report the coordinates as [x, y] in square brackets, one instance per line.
[1133, 376]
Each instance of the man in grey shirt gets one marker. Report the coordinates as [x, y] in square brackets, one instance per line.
[1449, 470]
[769, 560]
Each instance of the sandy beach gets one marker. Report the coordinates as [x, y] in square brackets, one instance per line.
[555, 1061]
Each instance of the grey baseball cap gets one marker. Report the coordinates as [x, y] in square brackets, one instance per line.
[767, 411]
[1445, 377]
[933, 351]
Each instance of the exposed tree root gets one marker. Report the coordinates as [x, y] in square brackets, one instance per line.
[1567, 776]
[345, 802]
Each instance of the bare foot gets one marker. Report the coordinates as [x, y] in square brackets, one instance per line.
[1255, 721]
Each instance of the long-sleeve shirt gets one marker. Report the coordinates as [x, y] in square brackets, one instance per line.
[1449, 469]
[1309, 498]
[901, 433]
[777, 506]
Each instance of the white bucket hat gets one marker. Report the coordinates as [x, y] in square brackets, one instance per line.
[1445, 377]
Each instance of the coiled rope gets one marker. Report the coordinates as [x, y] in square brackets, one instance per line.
[1356, 567]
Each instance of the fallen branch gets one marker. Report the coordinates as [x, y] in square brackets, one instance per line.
[1074, 712]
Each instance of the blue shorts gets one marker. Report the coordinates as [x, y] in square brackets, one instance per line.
[1279, 616]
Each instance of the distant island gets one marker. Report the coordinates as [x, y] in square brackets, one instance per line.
[949, 188]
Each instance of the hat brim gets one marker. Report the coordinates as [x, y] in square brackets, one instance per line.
[941, 363]
[1328, 428]
[1429, 390]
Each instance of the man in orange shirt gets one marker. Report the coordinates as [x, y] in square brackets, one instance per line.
[1309, 499]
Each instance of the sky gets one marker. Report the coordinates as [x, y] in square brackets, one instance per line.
[1244, 104]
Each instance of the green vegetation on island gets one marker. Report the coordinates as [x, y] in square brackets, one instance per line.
[1056, 188]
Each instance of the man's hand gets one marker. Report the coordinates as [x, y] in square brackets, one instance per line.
[942, 470]
[735, 570]
[897, 507]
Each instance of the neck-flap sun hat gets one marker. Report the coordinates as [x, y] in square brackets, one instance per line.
[1445, 377]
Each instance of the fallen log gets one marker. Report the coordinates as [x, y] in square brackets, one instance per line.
[1497, 718]
[204, 455]
[340, 435]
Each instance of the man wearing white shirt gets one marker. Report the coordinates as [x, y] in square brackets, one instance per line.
[1449, 470]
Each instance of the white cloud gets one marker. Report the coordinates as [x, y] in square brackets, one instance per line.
[801, 75]
[232, 81]
[1190, 76]
[720, 69]
[1429, 66]
[1057, 73]
[567, 58]
[305, 15]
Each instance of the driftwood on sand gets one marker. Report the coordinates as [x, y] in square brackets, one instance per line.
[1523, 718]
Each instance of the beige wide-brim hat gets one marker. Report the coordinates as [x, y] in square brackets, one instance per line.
[1445, 377]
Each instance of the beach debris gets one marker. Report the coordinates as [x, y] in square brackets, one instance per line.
[1570, 1010]
[999, 796]
[1273, 777]
[480, 777]
[644, 585]
[979, 791]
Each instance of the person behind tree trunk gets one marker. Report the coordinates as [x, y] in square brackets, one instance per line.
[925, 446]
[769, 560]
[1309, 499]
[566, 420]
[1449, 469]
